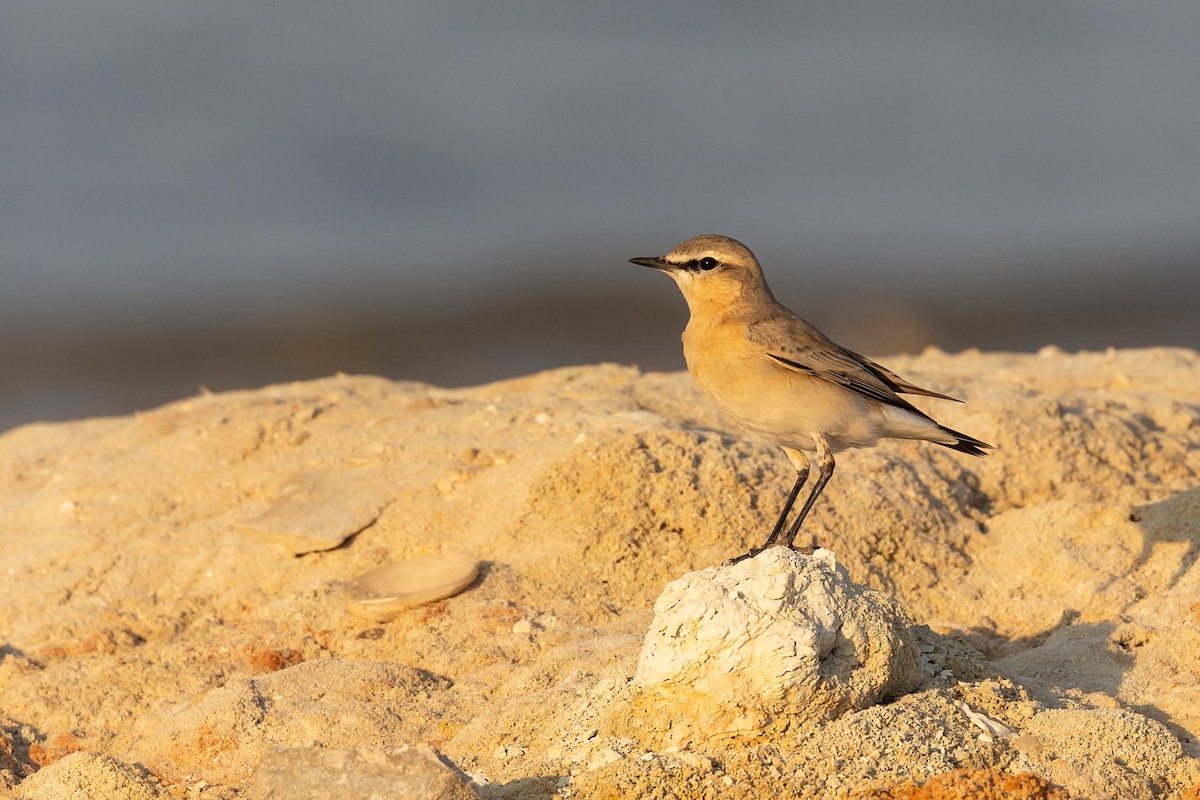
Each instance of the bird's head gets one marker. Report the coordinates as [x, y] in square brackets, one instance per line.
[712, 271]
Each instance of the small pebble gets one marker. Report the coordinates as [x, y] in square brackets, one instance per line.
[507, 751]
[603, 758]
[1030, 745]
[696, 761]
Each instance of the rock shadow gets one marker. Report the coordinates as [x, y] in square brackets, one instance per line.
[539, 787]
[1173, 520]
[1084, 657]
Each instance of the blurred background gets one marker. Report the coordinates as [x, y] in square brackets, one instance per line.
[227, 194]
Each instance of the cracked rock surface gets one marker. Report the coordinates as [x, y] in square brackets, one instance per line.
[779, 642]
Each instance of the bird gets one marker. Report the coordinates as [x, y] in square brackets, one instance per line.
[780, 378]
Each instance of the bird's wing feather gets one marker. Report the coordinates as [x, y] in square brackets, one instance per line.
[820, 365]
[794, 344]
[900, 385]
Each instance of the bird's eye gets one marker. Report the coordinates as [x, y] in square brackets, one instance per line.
[708, 263]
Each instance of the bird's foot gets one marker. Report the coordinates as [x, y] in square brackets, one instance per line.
[729, 562]
[807, 550]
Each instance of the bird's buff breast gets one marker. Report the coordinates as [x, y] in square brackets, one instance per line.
[778, 404]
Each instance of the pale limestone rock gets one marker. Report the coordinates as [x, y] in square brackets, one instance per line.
[778, 641]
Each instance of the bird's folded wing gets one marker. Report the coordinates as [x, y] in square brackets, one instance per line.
[833, 367]
[794, 344]
[900, 385]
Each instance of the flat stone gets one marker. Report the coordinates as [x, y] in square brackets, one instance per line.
[411, 772]
[320, 509]
[381, 594]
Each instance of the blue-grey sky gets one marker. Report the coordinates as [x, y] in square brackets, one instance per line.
[225, 159]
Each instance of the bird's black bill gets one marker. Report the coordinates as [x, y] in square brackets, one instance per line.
[655, 262]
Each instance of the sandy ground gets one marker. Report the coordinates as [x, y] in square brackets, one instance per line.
[172, 603]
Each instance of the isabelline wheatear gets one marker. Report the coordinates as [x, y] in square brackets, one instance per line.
[781, 378]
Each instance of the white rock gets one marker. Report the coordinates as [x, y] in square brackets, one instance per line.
[779, 640]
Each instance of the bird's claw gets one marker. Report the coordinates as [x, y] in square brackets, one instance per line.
[807, 550]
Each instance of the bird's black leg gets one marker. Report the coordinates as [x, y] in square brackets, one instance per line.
[801, 478]
[824, 473]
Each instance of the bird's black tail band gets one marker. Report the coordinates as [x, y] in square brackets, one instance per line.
[965, 444]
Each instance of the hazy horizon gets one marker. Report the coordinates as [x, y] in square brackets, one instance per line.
[293, 184]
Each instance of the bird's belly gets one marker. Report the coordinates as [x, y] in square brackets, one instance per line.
[784, 407]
